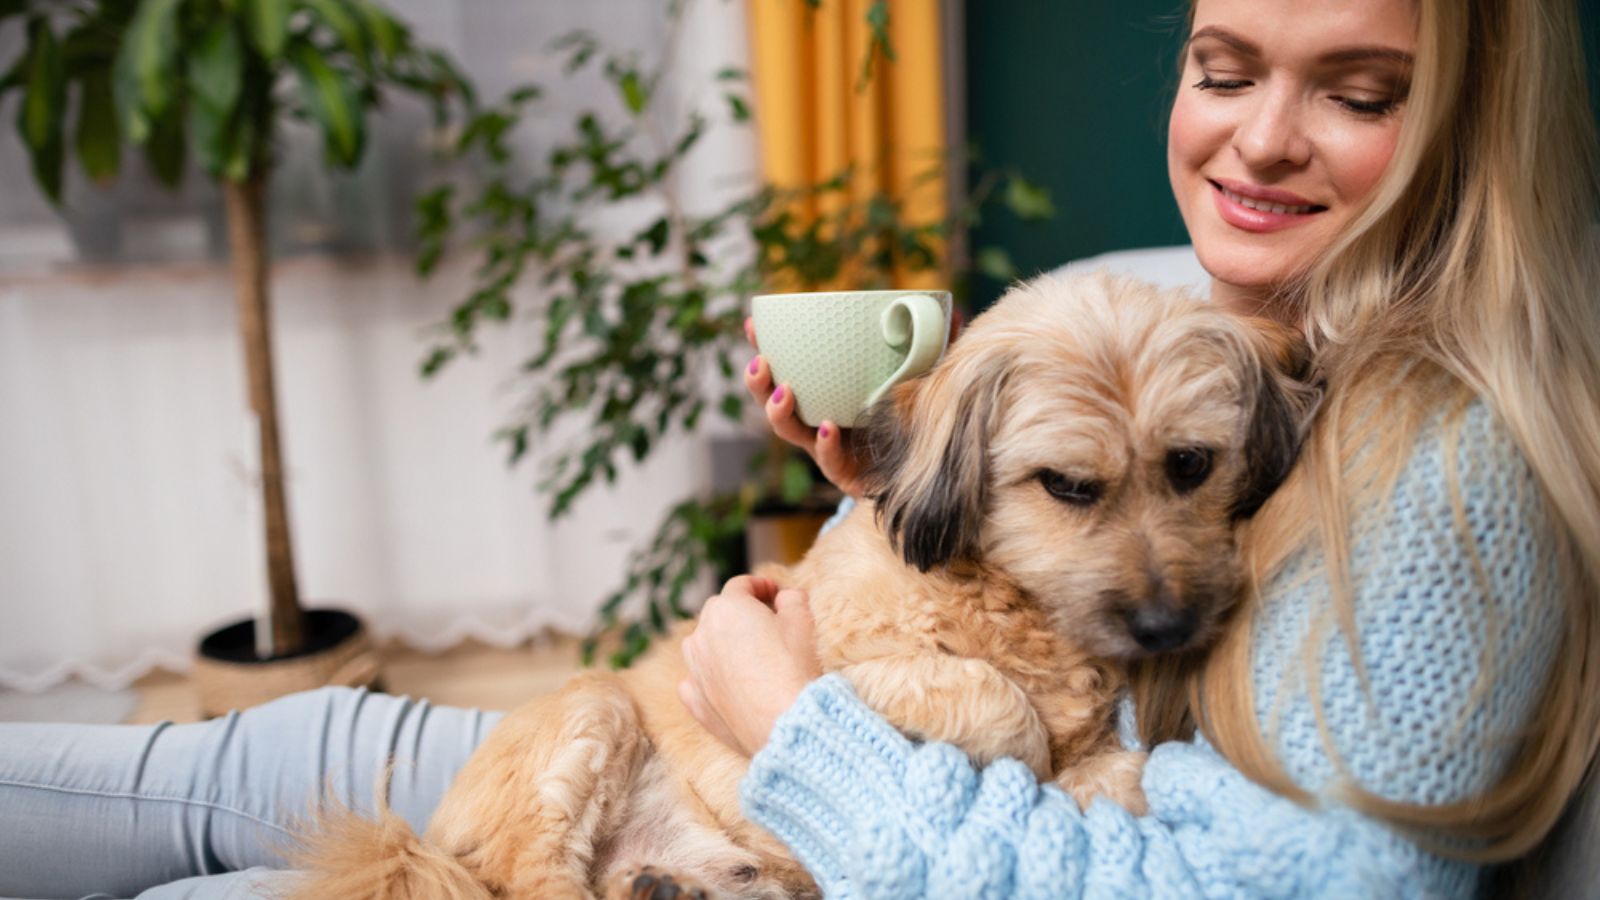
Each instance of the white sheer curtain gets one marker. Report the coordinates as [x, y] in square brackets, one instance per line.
[126, 520]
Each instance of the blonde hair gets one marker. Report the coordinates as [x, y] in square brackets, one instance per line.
[1471, 272]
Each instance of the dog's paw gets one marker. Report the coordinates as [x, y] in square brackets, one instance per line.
[1116, 776]
[650, 883]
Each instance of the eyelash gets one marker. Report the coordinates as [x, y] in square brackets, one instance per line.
[1207, 83]
[1373, 109]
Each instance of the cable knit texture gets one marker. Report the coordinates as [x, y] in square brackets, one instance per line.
[1456, 627]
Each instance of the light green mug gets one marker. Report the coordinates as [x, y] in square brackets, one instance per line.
[839, 351]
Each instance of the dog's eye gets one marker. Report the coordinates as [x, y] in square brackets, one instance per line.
[1070, 490]
[1187, 468]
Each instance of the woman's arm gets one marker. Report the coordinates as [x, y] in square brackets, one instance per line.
[873, 815]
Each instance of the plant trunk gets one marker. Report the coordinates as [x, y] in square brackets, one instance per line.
[247, 237]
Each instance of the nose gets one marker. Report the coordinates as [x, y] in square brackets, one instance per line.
[1158, 627]
[1271, 132]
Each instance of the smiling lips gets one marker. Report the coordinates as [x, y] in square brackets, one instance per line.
[1259, 209]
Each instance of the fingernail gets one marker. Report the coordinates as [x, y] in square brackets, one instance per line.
[822, 430]
[755, 365]
[777, 395]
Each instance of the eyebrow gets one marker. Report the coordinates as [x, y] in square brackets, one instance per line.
[1342, 55]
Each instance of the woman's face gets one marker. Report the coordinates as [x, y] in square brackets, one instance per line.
[1286, 118]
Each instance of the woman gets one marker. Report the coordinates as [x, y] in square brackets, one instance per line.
[1436, 286]
[1414, 687]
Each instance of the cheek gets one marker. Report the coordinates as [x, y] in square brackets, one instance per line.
[1185, 141]
[1068, 562]
[1357, 159]
[1196, 133]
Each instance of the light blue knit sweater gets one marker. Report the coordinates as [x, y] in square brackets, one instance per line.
[1456, 629]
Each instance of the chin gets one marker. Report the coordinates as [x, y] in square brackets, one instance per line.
[1246, 264]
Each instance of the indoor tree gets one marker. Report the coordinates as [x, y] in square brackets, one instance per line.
[216, 80]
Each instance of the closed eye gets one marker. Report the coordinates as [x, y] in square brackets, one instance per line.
[1221, 85]
[1074, 491]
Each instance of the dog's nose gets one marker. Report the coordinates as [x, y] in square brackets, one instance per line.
[1159, 627]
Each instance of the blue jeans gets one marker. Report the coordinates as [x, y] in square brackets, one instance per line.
[206, 810]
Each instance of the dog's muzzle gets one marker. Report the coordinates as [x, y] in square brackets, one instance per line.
[1159, 627]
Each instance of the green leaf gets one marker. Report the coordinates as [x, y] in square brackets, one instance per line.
[216, 68]
[147, 60]
[740, 109]
[212, 136]
[732, 407]
[242, 157]
[633, 92]
[44, 103]
[387, 34]
[165, 149]
[996, 263]
[1028, 201]
[656, 235]
[342, 21]
[98, 142]
[93, 41]
[583, 46]
[434, 219]
[795, 483]
[878, 43]
[332, 101]
[517, 437]
[437, 358]
[135, 123]
[266, 23]
[15, 76]
[732, 74]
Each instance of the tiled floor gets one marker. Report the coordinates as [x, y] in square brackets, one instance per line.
[470, 674]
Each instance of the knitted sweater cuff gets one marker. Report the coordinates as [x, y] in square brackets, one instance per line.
[824, 774]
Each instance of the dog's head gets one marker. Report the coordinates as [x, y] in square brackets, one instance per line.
[1097, 441]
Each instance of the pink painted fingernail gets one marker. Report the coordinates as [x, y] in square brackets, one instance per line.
[822, 430]
[777, 395]
[755, 365]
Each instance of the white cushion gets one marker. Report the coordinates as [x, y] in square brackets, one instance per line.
[1167, 267]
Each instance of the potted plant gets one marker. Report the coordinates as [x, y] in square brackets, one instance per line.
[216, 78]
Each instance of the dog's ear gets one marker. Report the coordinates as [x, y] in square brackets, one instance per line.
[926, 448]
[1283, 400]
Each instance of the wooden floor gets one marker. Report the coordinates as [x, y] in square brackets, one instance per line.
[471, 674]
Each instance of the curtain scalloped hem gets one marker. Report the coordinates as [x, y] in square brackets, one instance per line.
[179, 656]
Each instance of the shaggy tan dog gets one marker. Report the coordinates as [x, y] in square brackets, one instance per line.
[1059, 494]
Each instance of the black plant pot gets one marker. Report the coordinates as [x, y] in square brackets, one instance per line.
[229, 675]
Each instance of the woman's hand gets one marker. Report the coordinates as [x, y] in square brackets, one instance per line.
[751, 653]
[827, 443]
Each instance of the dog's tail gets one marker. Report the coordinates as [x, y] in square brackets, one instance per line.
[350, 857]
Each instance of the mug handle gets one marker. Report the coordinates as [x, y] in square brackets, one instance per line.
[917, 319]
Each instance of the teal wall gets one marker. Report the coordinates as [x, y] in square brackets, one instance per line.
[1074, 95]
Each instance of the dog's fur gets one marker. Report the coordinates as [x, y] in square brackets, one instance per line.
[965, 602]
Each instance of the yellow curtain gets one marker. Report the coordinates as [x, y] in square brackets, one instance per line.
[816, 119]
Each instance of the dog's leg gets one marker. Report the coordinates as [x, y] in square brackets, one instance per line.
[650, 883]
[1114, 774]
[669, 845]
[964, 701]
[527, 811]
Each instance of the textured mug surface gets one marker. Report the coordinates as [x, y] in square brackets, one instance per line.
[840, 350]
